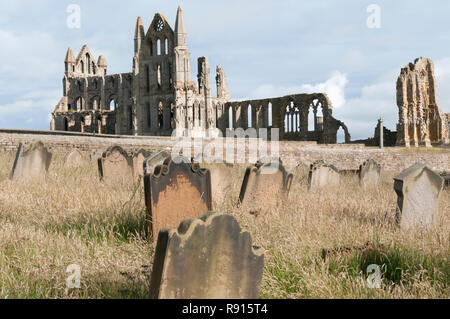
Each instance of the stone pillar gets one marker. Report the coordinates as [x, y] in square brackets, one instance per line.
[380, 123]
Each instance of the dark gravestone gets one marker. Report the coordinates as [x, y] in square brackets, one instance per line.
[178, 189]
[154, 160]
[115, 166]
[263, 186]
[31, 162]
[206, 258]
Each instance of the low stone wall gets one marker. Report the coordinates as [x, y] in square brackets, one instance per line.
[343, 156]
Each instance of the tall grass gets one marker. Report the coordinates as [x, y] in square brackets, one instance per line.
[73, 218]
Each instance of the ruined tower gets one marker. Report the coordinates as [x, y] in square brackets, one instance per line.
[421, 121]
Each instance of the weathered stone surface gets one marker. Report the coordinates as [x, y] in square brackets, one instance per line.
[151, 162]
[206, 258]
[74, 159]
[221, 181]
[263, 186]
[138, 162]
[418, 190]
[115, 166]
[421, 121]
[31, 162]
[176, 190]
[322, 176]
[369, 173]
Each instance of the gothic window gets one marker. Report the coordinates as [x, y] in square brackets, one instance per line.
[82, 66]
[95, 84]
[151, 48]
[199, 115]
[149, 116]
[230, 118]
[160, 116]
[166, 46]
[249, 115]
[172, 116]
[159, 76]
[88, 63]
[159, 26]
[112, 105]
[147, 77]
[131, 117]
[158, 47]
[94, 69]
[269, 114]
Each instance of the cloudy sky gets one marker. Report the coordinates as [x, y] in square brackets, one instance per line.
[267, 48]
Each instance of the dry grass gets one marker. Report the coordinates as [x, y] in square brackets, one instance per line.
[75, 219]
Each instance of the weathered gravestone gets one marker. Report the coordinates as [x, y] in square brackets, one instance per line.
[418, 190]
[263, 186]
[178, 189]
[31, 162]
[322, 175]
[74, 159]
[221, 180]
[152, 161]
[206, 258]
[138, 162]
[369, 173]
[115, 166]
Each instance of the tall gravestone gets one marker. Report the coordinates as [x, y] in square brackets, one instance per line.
[176, 190]
[31, 162]
[74, 159]
[322, 176]
[369, 173]
[221, 180]
[115, 166]
[206, 258]
[138, 162]
[264, 185]
[154, 160]
[418, 190]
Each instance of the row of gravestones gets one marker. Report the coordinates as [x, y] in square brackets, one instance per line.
[178, 190]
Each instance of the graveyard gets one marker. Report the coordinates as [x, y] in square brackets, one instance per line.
[309, 243]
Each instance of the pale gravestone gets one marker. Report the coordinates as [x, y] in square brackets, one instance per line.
[115, 166]
[322, 176]
[369, 173]
[151, 162]
[178, 189]
[138, 162]
[31, 162]
[74, 159]
[418, 190]
[263, 186]
[221, 180]
[206, 258]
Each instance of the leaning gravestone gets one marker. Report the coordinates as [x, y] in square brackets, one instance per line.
[31, 162]
[151, 162]
[178, 189]
[418, 190]
[115, 166]
[74, 159]
[138, 162]
[322, 175]
[369, 173]
[263, 185]
[206, 258]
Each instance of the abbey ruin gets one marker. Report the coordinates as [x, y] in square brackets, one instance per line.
[421, 121]
[159, 96]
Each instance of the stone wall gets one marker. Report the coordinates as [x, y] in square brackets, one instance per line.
[343, 156]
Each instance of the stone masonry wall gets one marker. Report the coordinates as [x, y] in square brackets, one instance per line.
[343, 156]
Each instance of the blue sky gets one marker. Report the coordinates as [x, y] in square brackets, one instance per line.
[267, 48]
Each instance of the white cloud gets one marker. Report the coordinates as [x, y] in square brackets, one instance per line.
[334, 87]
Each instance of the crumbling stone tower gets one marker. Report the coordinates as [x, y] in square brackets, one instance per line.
[421, 121]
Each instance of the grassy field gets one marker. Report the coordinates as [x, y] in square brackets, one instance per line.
[75, 219]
